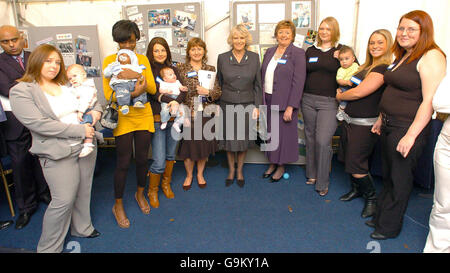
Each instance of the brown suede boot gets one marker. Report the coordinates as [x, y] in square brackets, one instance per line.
[153, 189]
[166, 178]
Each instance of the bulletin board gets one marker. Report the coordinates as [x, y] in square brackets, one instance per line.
[177, 23]
[78, 44]
[261, 17]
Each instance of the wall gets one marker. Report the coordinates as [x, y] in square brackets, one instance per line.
[372, 15]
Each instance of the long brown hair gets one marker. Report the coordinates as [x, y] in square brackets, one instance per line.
[335, 32]
[163, 43]
[426, 40]
[36, 61]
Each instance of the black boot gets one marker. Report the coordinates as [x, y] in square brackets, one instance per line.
[369, 193]
[354, 193]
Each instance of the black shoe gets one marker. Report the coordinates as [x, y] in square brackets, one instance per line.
[5, 224]
[378, 236]
[354, 193]
[46, 198]
[240, 182]
[370, 223]
[267, 175]
[23, 220]
[275, 180]
[94, 234]
[228, 182]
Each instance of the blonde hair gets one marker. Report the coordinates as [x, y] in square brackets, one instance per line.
[335, 32]
[240, 29]
[387, 56]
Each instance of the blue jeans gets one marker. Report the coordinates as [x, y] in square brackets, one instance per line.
[343, 89]
[123, 93]
[163, 148]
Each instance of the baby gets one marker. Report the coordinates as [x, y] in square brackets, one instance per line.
[171, 86]
[124, 87]
[86, 93]
[344, 74]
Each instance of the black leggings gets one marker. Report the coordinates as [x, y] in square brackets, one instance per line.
[124, 148]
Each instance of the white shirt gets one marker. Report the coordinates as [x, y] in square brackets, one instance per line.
[64, 106]
[268, 78]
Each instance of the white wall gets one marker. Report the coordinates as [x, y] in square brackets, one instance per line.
[372, 15]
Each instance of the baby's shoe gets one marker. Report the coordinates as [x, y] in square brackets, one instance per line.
[87, 149]
[124, 109]
[340, 114]
[176, 126]
[163, 125]
[138, 104]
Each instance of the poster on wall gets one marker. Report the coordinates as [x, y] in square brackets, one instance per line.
[158, 17]
[271, 13]
[165, 33]
[266, 32]
[301, 14]
[246, 15]
[184, 20]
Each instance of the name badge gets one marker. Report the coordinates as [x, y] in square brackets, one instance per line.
[390, 67]
[158, 79]
[191, 74]
[313, 59]
[355, 80]
[282, 61]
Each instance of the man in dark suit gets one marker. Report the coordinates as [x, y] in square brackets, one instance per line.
[29, 182]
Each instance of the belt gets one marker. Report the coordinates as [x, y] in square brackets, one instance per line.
[359, 121]
[157, 118]
[393, 122]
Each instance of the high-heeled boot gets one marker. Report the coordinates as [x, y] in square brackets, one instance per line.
[167, 178]
[369, 194]
[153, 189]
[354, 192]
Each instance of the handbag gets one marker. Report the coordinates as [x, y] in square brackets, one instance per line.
[110, 116]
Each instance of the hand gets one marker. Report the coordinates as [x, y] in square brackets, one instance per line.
[338, 94]
[165, 91]
[336, 54]
[128, 74]
[88, 130]
[80, 116]
[173, 106]
[405, 144]
[376, 128]
[96, 116]
[139, 88]
[287, 116]
[255, 113]
[183, 88]
[202, 91]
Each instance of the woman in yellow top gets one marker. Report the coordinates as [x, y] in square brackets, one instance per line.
[136, 125]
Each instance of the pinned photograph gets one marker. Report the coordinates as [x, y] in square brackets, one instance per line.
[184, 20]
[311, 37]
[165, 33]
[81, 44]
[65, 46]
[301, 14]
[158, 17]
[138, 19]
[246, 15]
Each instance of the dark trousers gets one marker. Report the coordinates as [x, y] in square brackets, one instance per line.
[398, 179]
[29, 181]
[124, 149]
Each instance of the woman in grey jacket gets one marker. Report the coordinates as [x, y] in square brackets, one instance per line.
[43, 103]
[238, 72]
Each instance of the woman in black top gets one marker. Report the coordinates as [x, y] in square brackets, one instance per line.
[319, 105]
[357, 140]
[406, 109]
[163, 142]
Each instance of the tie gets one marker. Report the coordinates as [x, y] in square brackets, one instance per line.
[19, 59]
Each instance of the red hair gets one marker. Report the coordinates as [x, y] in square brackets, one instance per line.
[426, 40]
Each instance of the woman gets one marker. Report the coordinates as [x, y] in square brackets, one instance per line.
[438, 239]
[196, 146]
[419, 67]
[319, 104]
[43, 103]
[136, 126]
[238, 71]
[283, 75]
[164, 143]
[357, 140]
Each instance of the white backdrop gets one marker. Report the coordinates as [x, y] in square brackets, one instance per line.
[372, 15]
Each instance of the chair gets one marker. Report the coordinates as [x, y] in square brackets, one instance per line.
[108, 138]
[5, 169]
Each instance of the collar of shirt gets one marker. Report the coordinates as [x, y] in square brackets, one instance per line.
[22, 55]
[322, 49]
[233, 59]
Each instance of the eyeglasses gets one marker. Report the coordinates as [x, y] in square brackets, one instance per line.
[409, 30]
